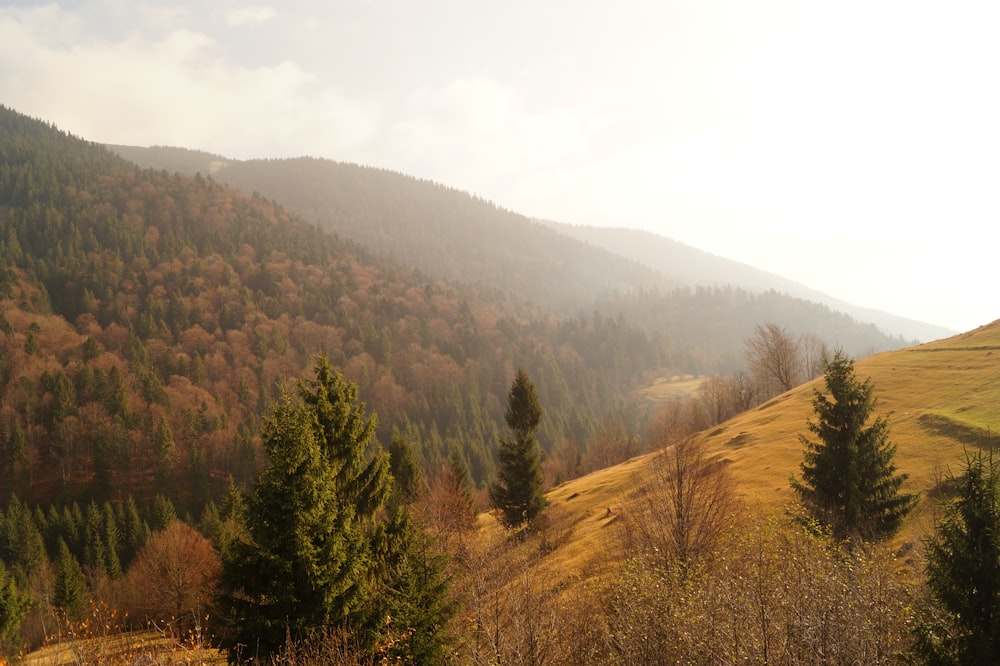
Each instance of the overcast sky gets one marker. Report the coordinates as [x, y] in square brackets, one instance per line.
[851, 146]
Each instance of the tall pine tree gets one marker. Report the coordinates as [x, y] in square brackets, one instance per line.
[963, 572]
[312, 557]
[848, 476]
[518, 489]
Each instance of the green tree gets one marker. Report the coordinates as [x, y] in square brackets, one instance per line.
[848, 476]
[69, 589]
[963, 572]
[14, 606]
[305, 562]
[518, 489]
[164, 448]
[409, 479]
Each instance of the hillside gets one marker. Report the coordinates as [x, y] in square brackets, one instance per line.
[943, 397]
[688, 265]
[149, 318]
[452, 235]
[440, 231]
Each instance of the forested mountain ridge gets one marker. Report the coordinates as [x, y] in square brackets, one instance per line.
[686, 264]
[439, 230]
[148, 318]
[453, 235]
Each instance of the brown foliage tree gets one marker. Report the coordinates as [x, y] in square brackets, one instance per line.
[173, 577]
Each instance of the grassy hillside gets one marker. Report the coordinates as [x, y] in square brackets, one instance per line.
[943, 396]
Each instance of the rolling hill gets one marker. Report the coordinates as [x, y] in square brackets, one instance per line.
[943, 398]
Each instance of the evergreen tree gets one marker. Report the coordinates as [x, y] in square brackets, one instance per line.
[518, 490]
[164, 449]
[848, 476]
[409, 479]
[14, 606]
[164, 513]
[963, 572]
[69, 589]
[305, 562]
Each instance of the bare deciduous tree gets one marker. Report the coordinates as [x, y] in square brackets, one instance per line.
[610, 445]
[684, 506]
[774, 357]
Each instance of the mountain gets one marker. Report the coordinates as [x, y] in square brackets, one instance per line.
[147, 320]
[438, 230]
[453, 235]
[687, 265]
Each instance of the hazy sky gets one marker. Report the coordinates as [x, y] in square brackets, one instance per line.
[851, 146]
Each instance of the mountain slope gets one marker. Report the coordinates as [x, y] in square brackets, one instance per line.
[685, 264]
[147, 319]
[450, 234]
[942, 397]
[438, 230]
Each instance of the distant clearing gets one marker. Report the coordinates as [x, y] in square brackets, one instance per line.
[665, 389]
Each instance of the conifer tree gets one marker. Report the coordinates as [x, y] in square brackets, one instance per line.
[306, 561]
[14, 606]
[518, 489]
[848, 476]
[69, 589]
[963, 571]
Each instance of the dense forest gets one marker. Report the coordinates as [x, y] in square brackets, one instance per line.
[149, 317]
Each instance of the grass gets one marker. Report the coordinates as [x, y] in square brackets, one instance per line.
[669, 388]
[942, 397]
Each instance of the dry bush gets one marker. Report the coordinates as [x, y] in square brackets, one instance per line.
[685, 503]
[515, 615]
[105, 638]
[774, 594]
[339, 647]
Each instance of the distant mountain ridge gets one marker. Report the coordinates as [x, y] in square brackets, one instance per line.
[429, 226]
[681, 262]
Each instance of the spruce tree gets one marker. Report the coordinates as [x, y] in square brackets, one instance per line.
[963, 572]
[518, 489]
[69, 587]
[848, 476]
[305, 561]
[14, 606]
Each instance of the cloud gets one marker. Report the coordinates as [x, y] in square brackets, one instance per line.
[250, 15]
[478, 134]
[177, 88]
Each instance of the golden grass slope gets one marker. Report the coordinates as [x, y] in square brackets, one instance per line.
[942, 397]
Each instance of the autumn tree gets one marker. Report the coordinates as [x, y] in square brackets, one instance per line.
[848, 476]
[963, 571]
[774, 357]
[518, 489]
[173, 577]
[610, 445]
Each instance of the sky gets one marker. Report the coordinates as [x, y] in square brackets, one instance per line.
[851, 146]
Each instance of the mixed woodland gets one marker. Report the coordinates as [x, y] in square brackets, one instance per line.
[157, 324]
